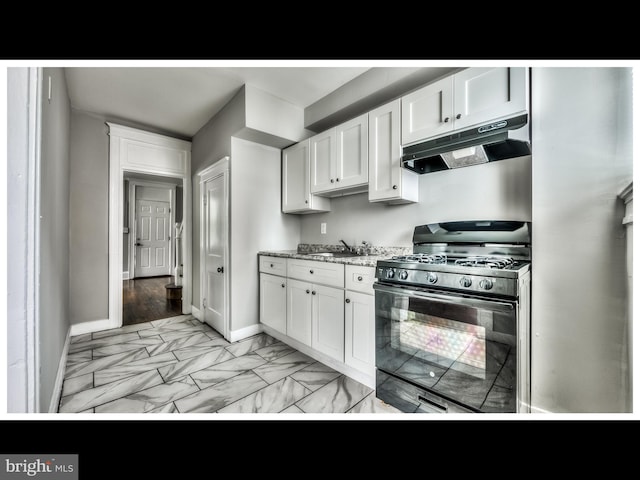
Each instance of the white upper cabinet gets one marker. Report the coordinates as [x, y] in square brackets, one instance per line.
[296, 192]
[339, 159]
[388, 181]
[470, 97]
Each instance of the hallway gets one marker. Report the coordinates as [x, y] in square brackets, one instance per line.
[145, 299]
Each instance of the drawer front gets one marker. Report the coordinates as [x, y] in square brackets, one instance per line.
[359, 278]
[273, 265]
[325, 273]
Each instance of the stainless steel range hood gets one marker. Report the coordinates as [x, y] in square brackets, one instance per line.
[489, 142]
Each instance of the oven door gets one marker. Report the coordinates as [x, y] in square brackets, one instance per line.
[461, 348]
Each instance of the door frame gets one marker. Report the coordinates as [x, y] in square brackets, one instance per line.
[177, 165]
[133, 183]
[221, 167]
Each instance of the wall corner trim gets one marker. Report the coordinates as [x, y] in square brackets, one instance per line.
[62, 365]
[196, 313]
[242, 333]
[89, 327]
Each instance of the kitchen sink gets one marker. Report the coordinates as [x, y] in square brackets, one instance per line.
[334, 254]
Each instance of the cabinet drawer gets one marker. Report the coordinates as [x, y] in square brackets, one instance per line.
[359, 278]
[325, 273]
[273, 265]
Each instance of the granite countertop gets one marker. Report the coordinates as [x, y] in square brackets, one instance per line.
[304, 253]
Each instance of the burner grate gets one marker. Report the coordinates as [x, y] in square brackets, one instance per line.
[485, 261]
[434, 258]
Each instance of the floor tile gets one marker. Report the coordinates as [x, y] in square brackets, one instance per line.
[105, 362]
[171, 335]
[224, 370]
[182, 342]
[80, 357]
[292, 409]
[315, 375]
[281, 367]
[275, 350]
[337, 396]
[272, 399]
[92, 397]
[250, 344]
[222, 394]
[126, 347]
[167, 321]
[167, 328]
[133, 368]
[169, 408]
[80, 338]
[188, 352]
[102, 342]
[150, 398]
[117, 331]
[185, 367]
[77, 384]
[371, 404]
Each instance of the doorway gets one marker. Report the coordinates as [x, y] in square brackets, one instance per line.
[152, 269]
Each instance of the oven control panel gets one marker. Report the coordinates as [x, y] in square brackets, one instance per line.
[448, 280]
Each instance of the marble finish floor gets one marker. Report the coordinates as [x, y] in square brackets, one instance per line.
[180, 365]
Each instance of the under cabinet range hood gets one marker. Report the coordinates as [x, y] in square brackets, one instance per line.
[497, 140]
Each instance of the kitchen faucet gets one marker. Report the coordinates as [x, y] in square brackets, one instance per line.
[349, 249]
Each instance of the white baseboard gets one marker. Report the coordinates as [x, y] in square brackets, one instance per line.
[539, 410]
[235, 335]
[90, 327]
[125, 275]
[62, 366]
[196, 313]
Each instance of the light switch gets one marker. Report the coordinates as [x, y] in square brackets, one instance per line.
[323, 228]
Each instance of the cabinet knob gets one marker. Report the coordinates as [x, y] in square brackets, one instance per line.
[347, 301]
[308, 291]
[446, 120]
[359, 279]
[271, 265]
[313, 293]
[458, 116]
[306, 201]
[395, 187]
[337, 179]
[311, 272]
[283, 285]
[332, 180]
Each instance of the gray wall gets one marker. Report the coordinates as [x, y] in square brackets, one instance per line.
[256, 223]
[496, 190]
[54, 231]
[582, 140]
[89, 210]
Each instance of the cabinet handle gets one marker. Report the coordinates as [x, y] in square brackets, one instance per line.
[348, 301]
[283, 285]
[337, 179]
[458, 116]
[313, 293]
[271, 265]
[395, 187]
[311, 272]
[308, 291]
[306, 201]
[359, 279]
[332, 180]
[446, 120]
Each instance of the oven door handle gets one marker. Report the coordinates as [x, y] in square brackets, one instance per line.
[494, 305]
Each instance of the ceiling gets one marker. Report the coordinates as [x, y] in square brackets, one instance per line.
[180, 100]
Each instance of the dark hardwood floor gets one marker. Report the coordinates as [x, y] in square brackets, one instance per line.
[145, 299]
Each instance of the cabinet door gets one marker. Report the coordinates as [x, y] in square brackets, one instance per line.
[388, 181]
[428, 112]
[352, 158]
[486, 94]
[359, 327]
[299, 310]
[323, 161]
[296, 193]
[327, 321]
[273, 302]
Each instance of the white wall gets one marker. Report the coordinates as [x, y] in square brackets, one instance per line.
[582, 158]
[496, 191]
[257, 223]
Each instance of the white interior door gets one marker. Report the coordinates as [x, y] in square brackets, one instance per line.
[215, 252]
[153, 252]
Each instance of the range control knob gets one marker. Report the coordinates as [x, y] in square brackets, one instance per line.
[403, 274]
[486, 284]
[465, 282]
[390, 273]
[432, 278]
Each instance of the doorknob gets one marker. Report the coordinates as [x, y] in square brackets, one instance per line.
[138, 244]
[220, 269]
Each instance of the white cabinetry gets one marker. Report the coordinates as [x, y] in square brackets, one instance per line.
[359, 319]
[298, 313]
[468, 98]
[296, 177]
[388, 181]
[327, 321]
[339, 159]
[273, 301]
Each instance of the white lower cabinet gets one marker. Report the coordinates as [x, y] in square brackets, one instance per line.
[298, 313]
[273, 301]
[359, 331]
